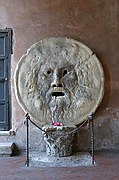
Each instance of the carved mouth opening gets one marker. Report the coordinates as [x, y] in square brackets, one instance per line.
[57, 94]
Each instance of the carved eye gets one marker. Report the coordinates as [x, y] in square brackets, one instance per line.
[65, 72]
[48, 72]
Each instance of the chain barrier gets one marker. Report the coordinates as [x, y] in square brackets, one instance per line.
[88, 119]
[87, 122]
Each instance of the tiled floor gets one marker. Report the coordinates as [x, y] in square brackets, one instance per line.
[107, 168]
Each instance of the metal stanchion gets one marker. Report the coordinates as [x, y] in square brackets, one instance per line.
[92, 140]
[27, 140]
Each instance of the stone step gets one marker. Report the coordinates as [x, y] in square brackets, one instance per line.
[6, 149]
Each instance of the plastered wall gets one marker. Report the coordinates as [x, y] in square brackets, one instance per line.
[93, 22]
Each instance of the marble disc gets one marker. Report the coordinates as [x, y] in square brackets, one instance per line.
[59, 80]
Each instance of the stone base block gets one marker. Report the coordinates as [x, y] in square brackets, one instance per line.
[40, 159]
[6, 149]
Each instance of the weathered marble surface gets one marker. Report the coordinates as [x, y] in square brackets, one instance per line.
[40, 159]
[59, 80]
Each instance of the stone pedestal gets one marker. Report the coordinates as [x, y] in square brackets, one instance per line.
[59, 140]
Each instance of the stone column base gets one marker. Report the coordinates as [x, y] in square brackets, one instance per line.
[59, 140]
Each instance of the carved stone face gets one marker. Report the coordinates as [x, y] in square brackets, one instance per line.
[56, 82]
[59, 80]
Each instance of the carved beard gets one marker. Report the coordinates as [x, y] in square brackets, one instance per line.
[58, 106]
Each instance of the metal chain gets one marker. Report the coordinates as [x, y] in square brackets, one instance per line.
[34, 123]
[88, 119]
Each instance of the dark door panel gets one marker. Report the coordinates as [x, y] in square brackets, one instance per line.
[5, 59]
[4, 123]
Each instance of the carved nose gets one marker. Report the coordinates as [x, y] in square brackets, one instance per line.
[56, 80]
[56, 83]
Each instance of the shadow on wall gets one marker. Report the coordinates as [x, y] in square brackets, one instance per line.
[107, 91]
